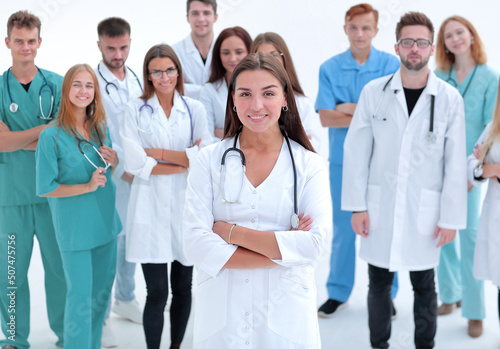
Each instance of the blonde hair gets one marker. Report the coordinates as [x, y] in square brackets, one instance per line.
[66, 118]
[494, 133]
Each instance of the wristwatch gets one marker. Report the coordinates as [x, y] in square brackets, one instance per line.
[478, 172]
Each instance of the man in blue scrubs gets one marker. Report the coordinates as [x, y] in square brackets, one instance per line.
[341, 79]
[22, 213]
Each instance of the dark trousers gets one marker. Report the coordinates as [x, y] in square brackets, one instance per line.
[380, 310]
[156, 276]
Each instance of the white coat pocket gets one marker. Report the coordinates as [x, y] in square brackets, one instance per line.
[292, 304]
[373, 205]
[210, 304]
[428, 211]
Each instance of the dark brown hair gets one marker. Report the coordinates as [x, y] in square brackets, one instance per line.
[289, 121]
[217, 69]
[213, 3]
[361, 9]
[414, 18]
[278, 42]
[160, 51]
[23, 19]
[445, 59]
[113, 27]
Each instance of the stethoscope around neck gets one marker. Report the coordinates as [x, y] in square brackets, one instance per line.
[109, 83]
[294, 219]
[431, 137]
[453, 83]
[149, 107]
[14, 107]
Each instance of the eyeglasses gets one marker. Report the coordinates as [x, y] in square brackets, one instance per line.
[276, 54]
[408, 43]
[159, 73]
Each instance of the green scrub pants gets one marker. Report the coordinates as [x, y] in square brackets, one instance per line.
[89, 276]
[455, 270]
[18, 226]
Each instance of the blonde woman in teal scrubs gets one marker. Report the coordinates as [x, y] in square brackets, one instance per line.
[461, 61]
[74, 161]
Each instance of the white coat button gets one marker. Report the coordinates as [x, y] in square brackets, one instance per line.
[253, 220]
[247, 342]
[247, 281]
[253, 207]
[247, 328]
[255, 191]
[247, 313]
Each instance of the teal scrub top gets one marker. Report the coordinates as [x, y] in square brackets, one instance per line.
[341, 80]
[81, 222]
[479, 99]
[17, 168]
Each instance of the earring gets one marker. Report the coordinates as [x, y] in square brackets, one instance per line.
[472, 41]
[234, 108]
[446, 51]
[285, 108]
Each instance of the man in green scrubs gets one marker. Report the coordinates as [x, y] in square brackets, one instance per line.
[22, 214]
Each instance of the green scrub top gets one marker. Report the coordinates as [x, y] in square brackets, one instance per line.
[81, 222]
[479, 99]
[17, 168]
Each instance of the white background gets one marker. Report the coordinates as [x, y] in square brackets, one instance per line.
[313, 31]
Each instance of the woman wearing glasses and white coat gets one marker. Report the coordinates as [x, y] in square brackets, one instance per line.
[255, 286]
[161, 134]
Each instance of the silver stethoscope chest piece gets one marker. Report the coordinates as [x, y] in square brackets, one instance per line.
[13, 107]
[294, 220]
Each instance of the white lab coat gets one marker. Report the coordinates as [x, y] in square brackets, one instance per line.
[407, 185]
[213, 95]
[154, 224]
[486, 253]
[195, 73]
[267, 307]
[114, 103]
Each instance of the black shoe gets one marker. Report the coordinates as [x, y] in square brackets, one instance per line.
[9, 346]
[330, 308]
[394, 314]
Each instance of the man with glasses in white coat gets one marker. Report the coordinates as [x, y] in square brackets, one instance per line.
[119, 84]
[404, 178]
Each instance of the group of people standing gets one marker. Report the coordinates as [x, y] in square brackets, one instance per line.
[115, 168]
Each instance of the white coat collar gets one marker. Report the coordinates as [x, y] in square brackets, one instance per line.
[430, 89]
[178, 103]
[191, 47]
[108, 75]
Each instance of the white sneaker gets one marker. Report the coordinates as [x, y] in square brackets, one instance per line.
[128, 310]
[108, 339]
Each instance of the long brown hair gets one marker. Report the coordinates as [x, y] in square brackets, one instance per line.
[494, 133]
[445, 59]
[160, 51]
[278, 42]
[217, 69]
[289, 121]
[66, 118]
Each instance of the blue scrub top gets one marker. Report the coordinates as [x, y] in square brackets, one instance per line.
[479, 99]
[17, 168]
[341, 80]
[81, 222]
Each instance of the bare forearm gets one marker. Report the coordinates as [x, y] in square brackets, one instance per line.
[166, 169]
[31, 146]
[15, 140]
[262, 242]
[245, 259]
[67, 190]
[173, 156]
[335, 119]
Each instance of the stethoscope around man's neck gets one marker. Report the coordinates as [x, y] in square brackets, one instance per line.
[294, 219]
[108, 83]
[431, 137]
[14, 107]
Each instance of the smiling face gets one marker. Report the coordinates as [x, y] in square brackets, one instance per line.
[201, 17]
[23, 44]
[114, 50]
[258, 97]
[232, 51]
[457, 38]
[166, 84]
[82, 90]
[415, 58]
[360, 30]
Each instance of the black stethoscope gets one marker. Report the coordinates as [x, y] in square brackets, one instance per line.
[431, 137]
[294, 220]
[454, 84]
[108, 83]
[84, 144]
[13, 107]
